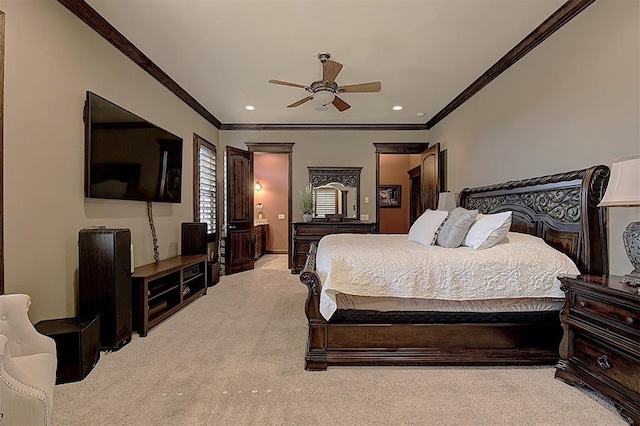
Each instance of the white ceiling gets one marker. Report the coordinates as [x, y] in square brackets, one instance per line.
[425, 52]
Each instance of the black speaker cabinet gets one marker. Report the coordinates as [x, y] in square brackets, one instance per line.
[104, 283]
[77, 346]
[194, 238]
[214, 273]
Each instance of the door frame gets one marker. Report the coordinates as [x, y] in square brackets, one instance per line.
[393, 148]
[280, 148]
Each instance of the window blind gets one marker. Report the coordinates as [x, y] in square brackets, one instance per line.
[208, 188]
[326, 201]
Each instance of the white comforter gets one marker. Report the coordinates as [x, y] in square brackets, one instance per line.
[390, 265]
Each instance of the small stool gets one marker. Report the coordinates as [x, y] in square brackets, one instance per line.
[77, 345]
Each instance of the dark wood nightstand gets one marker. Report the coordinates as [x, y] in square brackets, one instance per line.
[600, 349]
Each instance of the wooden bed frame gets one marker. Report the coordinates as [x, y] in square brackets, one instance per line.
[561, 209]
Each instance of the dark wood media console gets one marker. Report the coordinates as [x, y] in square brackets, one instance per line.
[160, 289]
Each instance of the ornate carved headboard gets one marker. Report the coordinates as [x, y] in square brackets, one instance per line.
[561, 209]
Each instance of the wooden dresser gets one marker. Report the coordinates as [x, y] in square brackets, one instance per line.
[305, 233]
[601, 345]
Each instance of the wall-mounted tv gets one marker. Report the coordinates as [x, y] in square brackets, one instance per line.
[127, 157]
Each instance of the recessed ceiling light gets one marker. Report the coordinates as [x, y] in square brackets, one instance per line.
[397, 108]
[420, 114]
[250, 107]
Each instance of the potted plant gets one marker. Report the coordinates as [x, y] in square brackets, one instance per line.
[306, 203]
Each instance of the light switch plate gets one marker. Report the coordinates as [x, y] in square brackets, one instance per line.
[364, 217]
[366, 200]
[281, 216]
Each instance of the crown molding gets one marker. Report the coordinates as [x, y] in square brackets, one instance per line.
[292, 126]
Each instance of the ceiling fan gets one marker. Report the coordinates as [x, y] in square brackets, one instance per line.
[324, 91]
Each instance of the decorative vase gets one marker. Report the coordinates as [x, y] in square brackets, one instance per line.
[307, 217]
[631, 240]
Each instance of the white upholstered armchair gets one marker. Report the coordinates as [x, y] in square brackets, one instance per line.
[27, 366]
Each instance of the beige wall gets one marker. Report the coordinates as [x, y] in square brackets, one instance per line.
[572, 102]
[51, 60]
[328, 148]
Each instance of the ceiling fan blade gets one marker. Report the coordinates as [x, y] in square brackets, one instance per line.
[374, 86]
[286, 83]
[330, 70]
[300, 102]
[340, 104]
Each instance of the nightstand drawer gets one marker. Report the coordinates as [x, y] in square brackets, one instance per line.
[607, 311]
[612, 364]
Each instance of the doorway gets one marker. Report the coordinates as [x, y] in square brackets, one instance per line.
[272, 172]
[395, 215]
[414, 172]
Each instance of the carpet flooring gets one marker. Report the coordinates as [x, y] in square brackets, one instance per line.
[235, 357]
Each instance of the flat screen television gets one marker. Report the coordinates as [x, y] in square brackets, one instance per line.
[128, 158]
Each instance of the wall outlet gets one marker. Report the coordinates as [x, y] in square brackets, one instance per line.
[281, 216]
[366, 200]
[364, 217]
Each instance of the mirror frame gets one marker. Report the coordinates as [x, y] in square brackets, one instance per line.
[347, 176]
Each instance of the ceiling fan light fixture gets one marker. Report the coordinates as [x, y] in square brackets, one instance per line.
[323, 92]
[323, 97]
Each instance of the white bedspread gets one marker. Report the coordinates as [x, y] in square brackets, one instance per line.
[390, 265]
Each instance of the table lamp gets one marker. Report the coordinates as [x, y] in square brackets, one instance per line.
[447, 201]
[624, 190]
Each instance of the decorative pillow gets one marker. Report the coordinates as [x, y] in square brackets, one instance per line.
[488, 230]
[456, 227]
[423, 230]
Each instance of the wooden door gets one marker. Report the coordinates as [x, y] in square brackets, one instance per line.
[430, 177]
[415, 197]
[239, 247]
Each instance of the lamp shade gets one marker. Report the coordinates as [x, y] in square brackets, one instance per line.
[447, 201]
[624, 183]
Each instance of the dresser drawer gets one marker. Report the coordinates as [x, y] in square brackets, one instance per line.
[599, 358]
[302, 246]
[320, 229]
[356, 229]
[607, 311]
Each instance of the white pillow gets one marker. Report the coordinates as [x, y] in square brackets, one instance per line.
[423, 230]
[488, 230]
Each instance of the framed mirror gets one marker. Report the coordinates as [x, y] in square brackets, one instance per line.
[336, 192]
